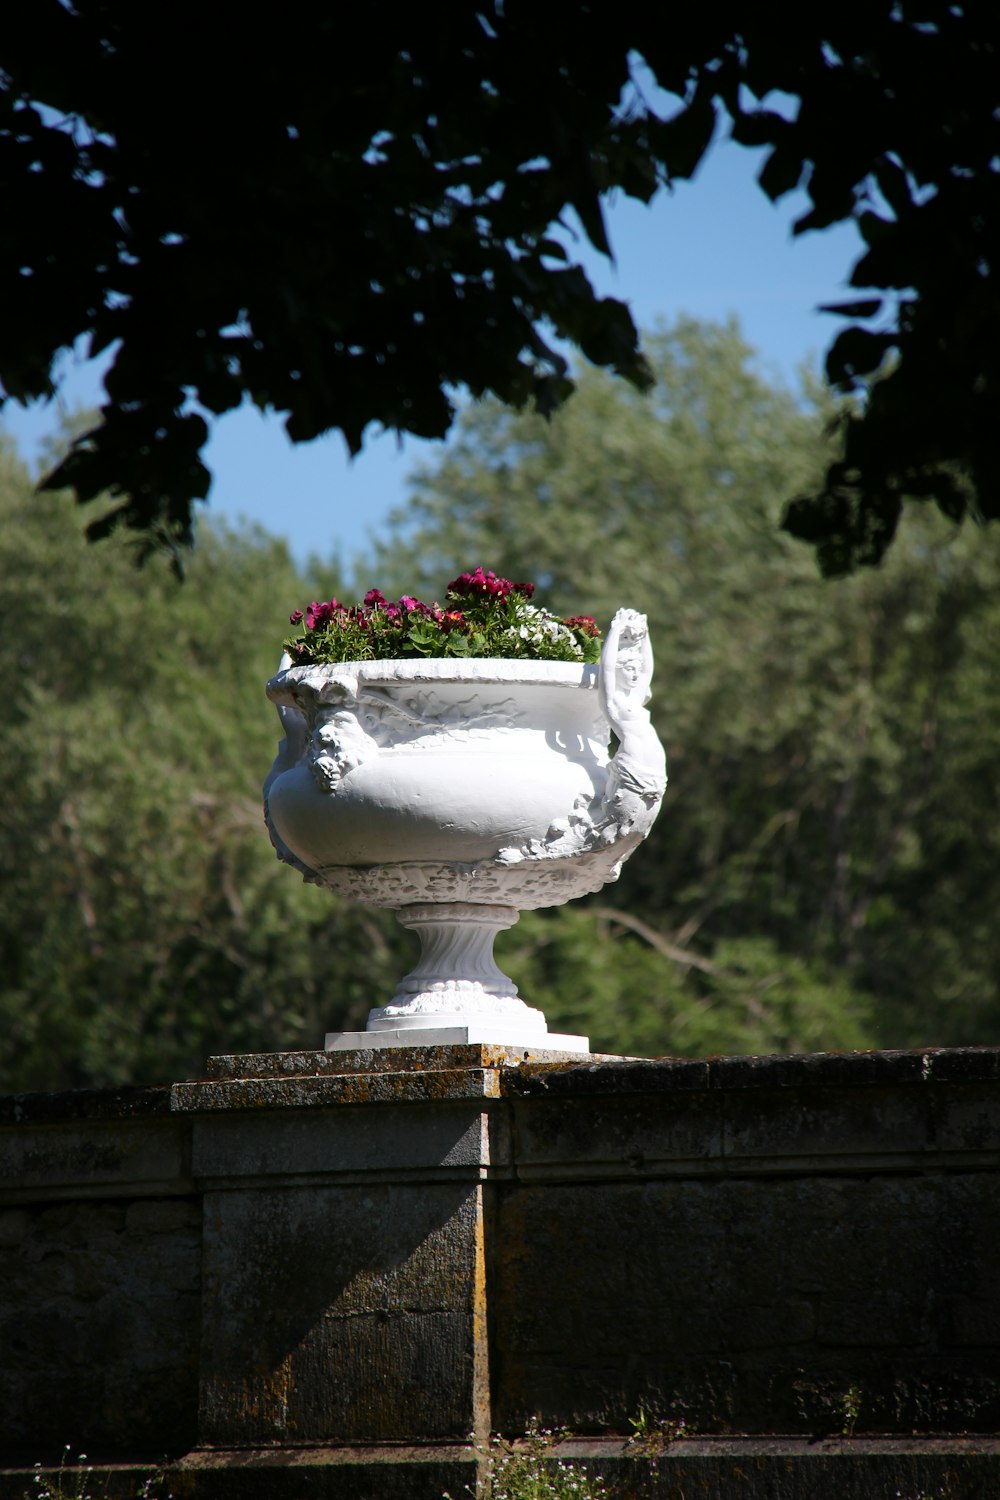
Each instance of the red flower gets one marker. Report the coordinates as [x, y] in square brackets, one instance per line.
[586, 624]
[373, 598]
[484, 584]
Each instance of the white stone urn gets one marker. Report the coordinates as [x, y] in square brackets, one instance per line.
[459, 791]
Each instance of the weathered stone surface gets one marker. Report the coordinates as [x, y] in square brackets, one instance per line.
[379, 1060]
[343, 1315]
[99, 1324]
[373, 1473]
[886, 1113]
[92, 1157]
[742, 1305]
[84, 1104]
[719, 1469]
[397, 1142]
[601, 1077]
[295, 1261]
[787, 1469]
[626, 1135]
[321, 1093]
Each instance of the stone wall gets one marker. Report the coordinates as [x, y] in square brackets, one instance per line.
[337, 1273]
[751, 1239]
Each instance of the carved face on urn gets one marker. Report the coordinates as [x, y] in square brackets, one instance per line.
[339, 745]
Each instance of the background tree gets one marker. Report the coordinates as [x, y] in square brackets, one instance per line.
[349, 233]
[821, 870]
[824, 873]
[144, 921]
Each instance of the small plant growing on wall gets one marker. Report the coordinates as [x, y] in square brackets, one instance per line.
[529, 1470]
[80, 1482]
[650, 1435]
[850, 1409]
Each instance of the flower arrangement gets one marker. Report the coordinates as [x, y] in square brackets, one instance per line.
[482, 615]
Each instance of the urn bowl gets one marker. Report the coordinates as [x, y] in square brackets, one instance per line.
[395, 772]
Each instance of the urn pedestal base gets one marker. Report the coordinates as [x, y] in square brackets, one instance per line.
[457, 1031]
[456, 995]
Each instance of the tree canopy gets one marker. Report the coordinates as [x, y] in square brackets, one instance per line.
[348, 230]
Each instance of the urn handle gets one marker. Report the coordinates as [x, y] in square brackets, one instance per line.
[296, 732]
[637, 774]
[290, 752]
[619, 817]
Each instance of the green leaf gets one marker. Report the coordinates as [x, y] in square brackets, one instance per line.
[782, 172]
[683, 139]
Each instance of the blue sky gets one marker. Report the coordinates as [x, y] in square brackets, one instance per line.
[714, 248]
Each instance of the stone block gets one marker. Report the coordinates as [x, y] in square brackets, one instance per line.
[723, 1301]
[560, 1133]
[99, 1329]
[395, 1141]
[350, 1315]
[80, 1158]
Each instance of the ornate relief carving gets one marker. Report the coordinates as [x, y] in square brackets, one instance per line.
[521, 749]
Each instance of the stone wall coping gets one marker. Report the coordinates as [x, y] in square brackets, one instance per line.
[433, 1086]
[67, 1106]
[296, 1080]
[780, 1071]
[388, 1060]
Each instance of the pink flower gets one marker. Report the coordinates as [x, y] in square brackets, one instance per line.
[320, 614]
[373, 598]
[295, 616]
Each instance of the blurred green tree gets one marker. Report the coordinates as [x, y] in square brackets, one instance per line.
[823, 871]
[144, 921]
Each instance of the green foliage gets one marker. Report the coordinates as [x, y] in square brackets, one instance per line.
[144, 920]
[611, 975]
[336, 250]
[651, 1434]
[851, 1403]
[824, 870]
[918, 177]
[383, 224]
